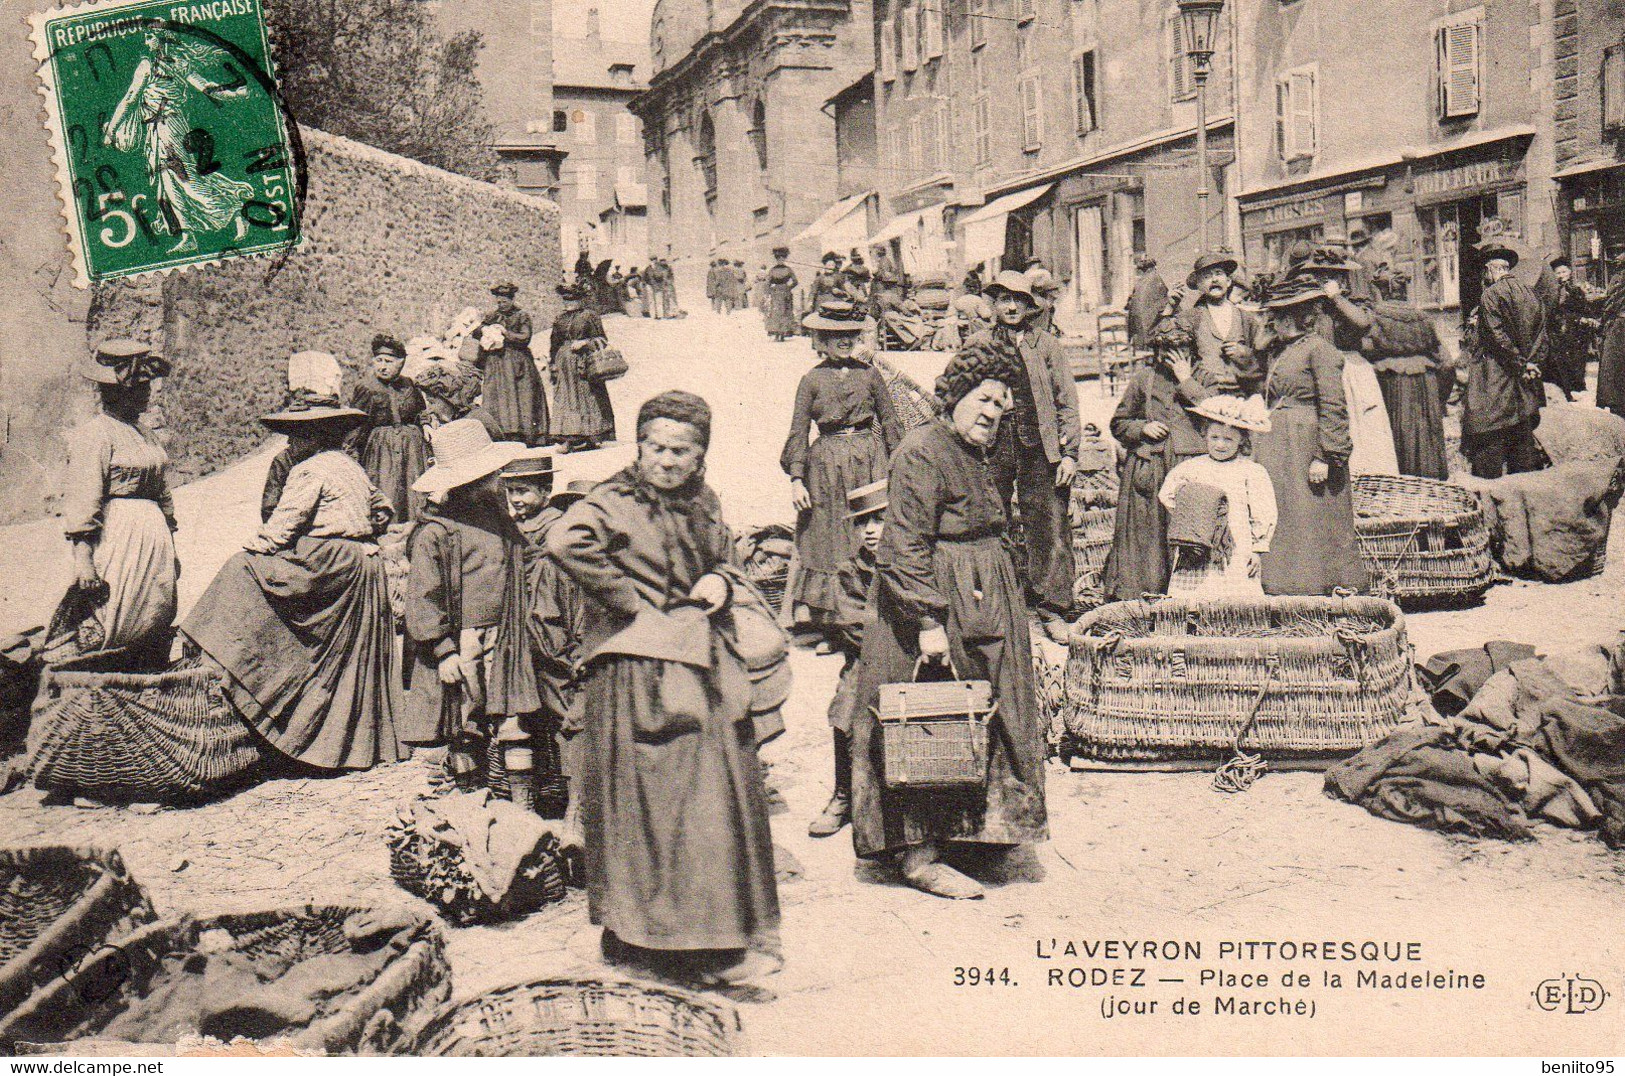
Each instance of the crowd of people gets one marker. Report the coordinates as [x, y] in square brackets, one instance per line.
[605, 624]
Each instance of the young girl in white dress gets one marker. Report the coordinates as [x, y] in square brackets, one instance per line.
[1248, 491]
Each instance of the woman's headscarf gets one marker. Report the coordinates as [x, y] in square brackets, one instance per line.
[679, 406]
[972, 365]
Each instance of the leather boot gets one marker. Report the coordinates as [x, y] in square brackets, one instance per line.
[839, 810]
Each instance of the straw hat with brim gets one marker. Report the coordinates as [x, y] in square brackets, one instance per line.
[306, 409]
[1493, 251]
[1249, 414]
[1043, 282]
[835, 318]
[1011, 282]
[124, 362]
[1216, 260]
[506, 290]
[464, 453]
[1294, 295]
[532, 463]
[867, 500]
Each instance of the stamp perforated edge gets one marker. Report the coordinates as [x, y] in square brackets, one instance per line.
[51, 119]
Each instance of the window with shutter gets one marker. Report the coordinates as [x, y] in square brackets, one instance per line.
[1083, 92]
[1032, 118]
[931, 28]
[888, 52]
[978, 67]
[1179, 77]
[1613, 87]
[910, 34]
[945, 137]
[1296, 115]
[1024, 48]
[1026, 10]
[1458, 69]
[983, 123]
[978, 23]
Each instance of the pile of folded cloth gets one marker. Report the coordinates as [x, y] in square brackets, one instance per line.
[1518, 737]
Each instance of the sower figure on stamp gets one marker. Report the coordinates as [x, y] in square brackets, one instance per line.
[512, 387]
[1037, 452]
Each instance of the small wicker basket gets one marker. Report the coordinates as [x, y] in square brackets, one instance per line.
[914, 405]
[434, 869]
[935, 734]
[1093, 511]
[1165, 679]
[56, 905]
[1424, 541]
[582, 1018]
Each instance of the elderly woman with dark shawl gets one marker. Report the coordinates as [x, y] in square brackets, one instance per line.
[946, 592]
[679, 855]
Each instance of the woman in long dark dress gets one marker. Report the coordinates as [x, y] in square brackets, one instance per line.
[781, 296]
[679, 855]
[1407, 358]
[299, 623]
[394, 451]
[512, 388]
[582, 415]
[1306, 453]
[857, 429]
[946, 591]
[1153, 425]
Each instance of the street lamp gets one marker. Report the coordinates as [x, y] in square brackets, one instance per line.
[1200, 21]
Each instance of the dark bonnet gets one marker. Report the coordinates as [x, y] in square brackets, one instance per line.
[679, 406]
[974, 364]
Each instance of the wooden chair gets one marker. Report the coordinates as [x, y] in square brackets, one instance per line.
[1116, 350]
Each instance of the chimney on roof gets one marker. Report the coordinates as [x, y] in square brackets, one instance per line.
[592, 24]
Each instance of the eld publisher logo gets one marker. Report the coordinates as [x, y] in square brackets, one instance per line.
[1570, 994]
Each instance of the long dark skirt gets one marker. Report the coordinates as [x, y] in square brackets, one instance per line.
[514, 395]
[306, 641]
[395, 457]
[1410, 391]
[781, 311]
[825, 537]
[1138, 562]
[1314, 550]
[581, 408]
[679, 854]
[988, 640]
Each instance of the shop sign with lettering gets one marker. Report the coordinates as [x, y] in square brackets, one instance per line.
[1463, 177]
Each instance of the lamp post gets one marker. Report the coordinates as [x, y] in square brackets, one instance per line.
[1200, 21]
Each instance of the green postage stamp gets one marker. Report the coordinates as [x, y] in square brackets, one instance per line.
[169, 137]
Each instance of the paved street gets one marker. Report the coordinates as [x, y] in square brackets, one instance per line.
[1136, 857]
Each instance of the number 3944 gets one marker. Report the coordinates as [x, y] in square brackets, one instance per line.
[983, 977]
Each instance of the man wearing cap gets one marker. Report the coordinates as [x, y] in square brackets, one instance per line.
[1037, 452]
[1045, 289]
[1145, 305]
[1224, 332]
[1504, 394]
[512, 387]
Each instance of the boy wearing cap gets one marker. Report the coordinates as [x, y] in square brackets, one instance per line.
[468, 664]
[866, 508]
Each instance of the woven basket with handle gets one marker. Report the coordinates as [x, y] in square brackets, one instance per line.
[1424, 541]
[1166, 679]
[934, 735]
[582, 1018]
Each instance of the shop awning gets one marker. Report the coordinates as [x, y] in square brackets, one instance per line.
[841, 226]
[1586, 169]
[900, 226]
[981, 234]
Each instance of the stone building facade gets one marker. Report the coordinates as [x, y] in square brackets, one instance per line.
[1018, 129]
[1589, 111]
[1463, 133]
[741, 157]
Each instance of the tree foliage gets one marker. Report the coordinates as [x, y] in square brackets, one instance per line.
[381, 72]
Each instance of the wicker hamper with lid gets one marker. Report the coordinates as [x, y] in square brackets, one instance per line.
[1424, 541]
[1164, 679]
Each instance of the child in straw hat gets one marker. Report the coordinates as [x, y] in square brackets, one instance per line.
[469, 664]
[1231, 566]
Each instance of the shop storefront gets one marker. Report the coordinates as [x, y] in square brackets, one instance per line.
[1591, 210]
[1425, 212]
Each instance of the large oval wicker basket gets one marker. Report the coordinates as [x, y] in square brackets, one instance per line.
[168, 737]
[374, 1017]
[1424, 541]
[582, 1018]
[1165, 679]
[56, 905]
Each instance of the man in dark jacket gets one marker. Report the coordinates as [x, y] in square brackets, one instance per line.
[1036, 455]
[1145, 305]
[1504, 394]
[1225, 333]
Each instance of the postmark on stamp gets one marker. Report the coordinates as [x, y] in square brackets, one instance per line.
[171, 144]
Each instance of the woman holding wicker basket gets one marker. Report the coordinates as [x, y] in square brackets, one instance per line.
[947, 593]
